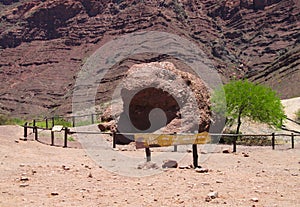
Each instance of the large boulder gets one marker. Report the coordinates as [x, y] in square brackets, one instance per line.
[158, 97]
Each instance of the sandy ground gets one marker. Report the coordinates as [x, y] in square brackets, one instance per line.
[291, 106]
[32, 174]
[35, 174]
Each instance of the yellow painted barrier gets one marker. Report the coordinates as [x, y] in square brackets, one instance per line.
[164, 140]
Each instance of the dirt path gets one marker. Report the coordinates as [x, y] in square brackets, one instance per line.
[271, 176]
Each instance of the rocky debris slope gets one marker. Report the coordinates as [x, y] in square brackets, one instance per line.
[43, 44]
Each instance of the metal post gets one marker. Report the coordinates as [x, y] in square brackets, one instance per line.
[273, 141]
[148, 154]
[195, 156]
[293, 141]
[66, 137]
[46, 123]
[52, 138]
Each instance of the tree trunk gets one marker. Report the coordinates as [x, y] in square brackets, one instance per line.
[237, 132]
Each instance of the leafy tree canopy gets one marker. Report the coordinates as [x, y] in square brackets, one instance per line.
[247, 99]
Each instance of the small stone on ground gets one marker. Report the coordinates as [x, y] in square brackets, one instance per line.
[201, 170]
[169, 164]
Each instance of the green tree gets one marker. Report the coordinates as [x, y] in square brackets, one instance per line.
[241, 98]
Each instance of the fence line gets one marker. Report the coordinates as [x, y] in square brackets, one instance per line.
[147, 149]
[113, 134]
[293, 120]
[71, 117]
[67, 131]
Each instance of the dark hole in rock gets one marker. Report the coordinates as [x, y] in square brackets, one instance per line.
[188, 82]
[149, 100]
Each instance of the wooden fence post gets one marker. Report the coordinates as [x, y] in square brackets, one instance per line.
[114, 139]
[35, 132]
[33, 124]
[293, 141]
[73, 121]
[273, 140]
[66, 137]
[92, 118]
[234, 143]
[175, 146]
[52, 138]
[148, 154]
[53, 122]
[25, 131]
[195, 156]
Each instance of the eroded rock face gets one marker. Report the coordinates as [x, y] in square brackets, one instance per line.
[257, 4]
[8, 2]
[43, 44]
[157, 97]
[261, 4]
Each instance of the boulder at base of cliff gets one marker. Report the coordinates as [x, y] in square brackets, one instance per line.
[158, 97]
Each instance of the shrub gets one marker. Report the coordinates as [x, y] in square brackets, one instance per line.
[227, 139]
[61, 121]
[5, 120]
[255, 141]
